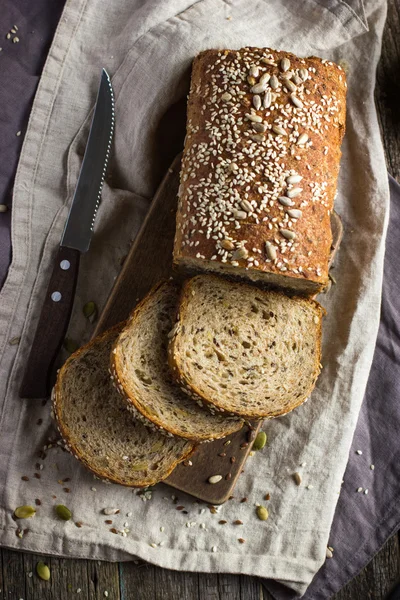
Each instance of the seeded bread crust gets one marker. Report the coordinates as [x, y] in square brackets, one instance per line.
[233, 214]
[185, 339]
[158, 454]
[139, 371]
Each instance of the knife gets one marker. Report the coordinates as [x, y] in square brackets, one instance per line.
[57, 307]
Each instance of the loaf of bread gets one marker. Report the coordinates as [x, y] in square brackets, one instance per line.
[140, 372]
[245, 351]
[260, 167]
[99, 430]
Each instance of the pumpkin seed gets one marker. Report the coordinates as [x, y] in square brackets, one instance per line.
[43, 571]
[63, 512]
[262, 513]
[25, 512]
[90, 310]
[70, 345]
[260, 441]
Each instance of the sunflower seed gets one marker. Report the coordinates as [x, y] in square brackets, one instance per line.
[302, 139]
[260, 127]
[296, 101]
[257, 102]
[288, 234]
[245, 204]
[8, 36]
[278, 130]
[270, 250]
[110, 511]
[257, 137]
[273, 82]
[241, 252]
[253, 118]
[297, 478]
[285, 201]
[303, 73]
[265, 77]
[226, 96]
[297, 80]
[254, 71]
[293, 192]
[13, 30]
[287, 75]
[329, 553]
[295, 213]
[214, 479]
[267, 99]
[267, 61]
[285, 64]
[15, 40]
[262, 513]
[258, 88]
[227, 244]
[290, 85]
[293, 179]
[239, 214]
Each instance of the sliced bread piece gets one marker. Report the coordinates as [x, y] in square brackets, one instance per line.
[99, 430]
[245, 351]
[139, 366]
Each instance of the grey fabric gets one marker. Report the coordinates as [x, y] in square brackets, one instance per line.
[147, 47]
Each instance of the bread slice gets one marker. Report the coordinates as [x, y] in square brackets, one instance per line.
[245, 351]
[98, 429]
[139, 365]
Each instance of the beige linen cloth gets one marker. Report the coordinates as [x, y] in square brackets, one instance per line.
[147, 47]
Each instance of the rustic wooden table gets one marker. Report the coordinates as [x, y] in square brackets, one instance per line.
[127, 581]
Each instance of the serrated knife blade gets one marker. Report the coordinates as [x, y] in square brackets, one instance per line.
[79, 226]
[57, 306]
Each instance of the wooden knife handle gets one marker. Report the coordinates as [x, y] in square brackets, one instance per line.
[52, 325]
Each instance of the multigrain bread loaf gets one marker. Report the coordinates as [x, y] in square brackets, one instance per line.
[260, 167]
[245, 351]
[140, 371]
[99, 430]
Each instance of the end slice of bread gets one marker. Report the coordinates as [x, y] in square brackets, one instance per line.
[139, 366]
[245, 351]
[99, 430]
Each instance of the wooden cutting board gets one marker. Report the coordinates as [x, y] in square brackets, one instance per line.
[149, 260]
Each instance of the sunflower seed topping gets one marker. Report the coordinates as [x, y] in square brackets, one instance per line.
[293, 179]
[274, 82]
[267, 99]
[259, 88]
[257, 137]
[227, 245]
[278, 130]
[245, 204]
[257, 101]
[270, 250]
[288, 234]
[290, 85]
[260, 127]
[295, 213]
[265, 77]
[268, 61]
[303, 73]
[293, 192]
[241, 252]
[214, 478]
[302, 139]
[253, 118]
[254, 71]
[285, 201]
[296, 101]
[285, 64]
[239, 214]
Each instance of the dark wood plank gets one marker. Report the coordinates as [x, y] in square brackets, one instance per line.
[14, 578]
[378, 577]
[139, 581]
[251, 589]
[103, 577]
[171, 584]
[208, 586]
[229, 587]
[67, 576]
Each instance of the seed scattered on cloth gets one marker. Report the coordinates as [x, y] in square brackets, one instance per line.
[214, 549]
[358, 451]
[297, 478]
[329, 553]
[359, 489]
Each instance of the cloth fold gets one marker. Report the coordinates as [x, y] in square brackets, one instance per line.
[149, 59]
